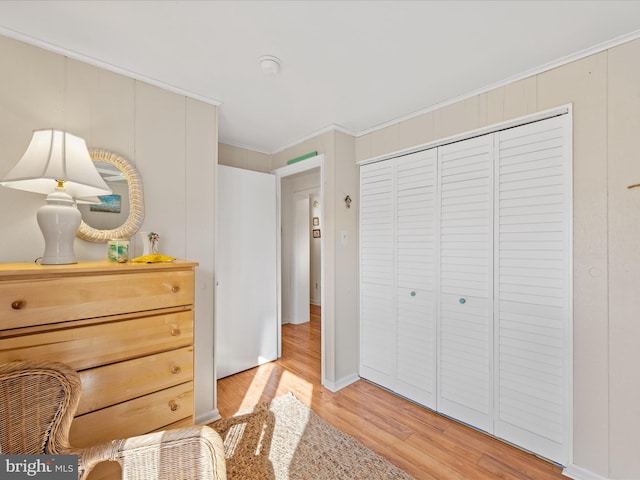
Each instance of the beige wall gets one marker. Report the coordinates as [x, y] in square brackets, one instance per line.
[623, 215]
[239, 157]
[605, 92]
[172, 140]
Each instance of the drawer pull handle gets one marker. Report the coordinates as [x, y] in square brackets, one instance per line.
[175, 289]
[175, 369]
[413, 294]
[173, 405]
[175, 332]
[18, 304]
[462, 301]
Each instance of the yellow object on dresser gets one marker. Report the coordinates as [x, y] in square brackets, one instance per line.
[126, 328]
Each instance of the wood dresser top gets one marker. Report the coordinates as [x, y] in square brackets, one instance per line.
[15, 271]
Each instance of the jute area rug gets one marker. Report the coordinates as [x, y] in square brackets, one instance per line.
[285, 440]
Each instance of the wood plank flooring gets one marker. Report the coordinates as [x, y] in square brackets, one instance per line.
[424, 444]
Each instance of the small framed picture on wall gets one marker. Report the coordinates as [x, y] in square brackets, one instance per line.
[316, 221]
[316, 233]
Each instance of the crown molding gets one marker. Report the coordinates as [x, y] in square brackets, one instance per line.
[521, 76]
[329, 128]
[244, 146]
[104, 65]
[332, 127]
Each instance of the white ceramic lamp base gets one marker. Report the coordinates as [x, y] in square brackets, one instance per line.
[59, 220]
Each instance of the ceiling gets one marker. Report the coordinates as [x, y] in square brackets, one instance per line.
[352, 64]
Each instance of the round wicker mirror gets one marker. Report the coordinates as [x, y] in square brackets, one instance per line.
[136, 201]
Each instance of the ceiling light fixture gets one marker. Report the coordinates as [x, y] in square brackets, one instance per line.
[269, 64]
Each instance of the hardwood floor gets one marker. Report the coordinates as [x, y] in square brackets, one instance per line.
[424, 444]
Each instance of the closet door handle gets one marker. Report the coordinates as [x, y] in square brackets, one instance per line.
[462, 301]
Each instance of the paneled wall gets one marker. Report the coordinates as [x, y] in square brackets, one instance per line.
[604, 90]
[171, 139]
[239, 157]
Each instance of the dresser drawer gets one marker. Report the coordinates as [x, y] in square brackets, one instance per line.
[50, 300]
[140, 415]
[118, 382]
[100, 344]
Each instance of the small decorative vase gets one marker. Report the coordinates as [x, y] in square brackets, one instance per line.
[146, 243]
[154, 238]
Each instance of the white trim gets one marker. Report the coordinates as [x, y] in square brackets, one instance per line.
[299, 167]
[207, 417]
[569, 326]
[340, 384]
[552, 112]
[579, 473]
[104, 65]
[240, 145]
[515, 78]
[328, 128]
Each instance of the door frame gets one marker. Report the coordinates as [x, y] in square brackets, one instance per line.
[280, 173]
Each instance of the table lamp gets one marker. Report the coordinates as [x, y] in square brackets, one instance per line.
[58, 164]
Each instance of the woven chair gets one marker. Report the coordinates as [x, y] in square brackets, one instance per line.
[38, 401]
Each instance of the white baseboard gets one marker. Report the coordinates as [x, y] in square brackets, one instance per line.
[339, 385]
[207, 417]
[579, 473]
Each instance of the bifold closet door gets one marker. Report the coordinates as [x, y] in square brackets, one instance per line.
[397, 283]
[532, 287]
[465, 272]
[415, 279]
[377, 274]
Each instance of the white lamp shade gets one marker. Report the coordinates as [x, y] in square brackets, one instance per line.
[55, 155]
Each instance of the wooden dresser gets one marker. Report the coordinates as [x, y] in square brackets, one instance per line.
[126, 328]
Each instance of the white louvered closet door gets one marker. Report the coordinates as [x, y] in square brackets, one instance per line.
[415, 281]
[377, 274]
[532, 287]
[465, 379]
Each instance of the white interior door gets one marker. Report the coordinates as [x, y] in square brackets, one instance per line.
[246, 270]
[415, 276]
[465, 388]
[378, 328]
[533, 287]
[300, 277]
